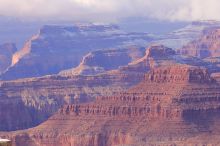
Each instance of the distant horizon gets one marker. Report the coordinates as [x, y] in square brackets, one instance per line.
[130, 24]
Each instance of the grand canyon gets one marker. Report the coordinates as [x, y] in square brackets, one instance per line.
[109, 84]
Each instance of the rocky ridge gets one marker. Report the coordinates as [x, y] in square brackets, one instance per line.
[175, 110]
[56, 48]
[43, 96]
[38, 98]
[160, 55]
[100, 61]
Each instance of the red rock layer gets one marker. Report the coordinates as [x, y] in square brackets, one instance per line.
[170, 112]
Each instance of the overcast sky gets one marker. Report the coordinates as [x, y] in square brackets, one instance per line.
[112, 10]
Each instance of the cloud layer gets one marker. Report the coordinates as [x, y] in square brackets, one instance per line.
[112, 10]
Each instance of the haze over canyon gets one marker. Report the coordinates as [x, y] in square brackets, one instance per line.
[109, 73]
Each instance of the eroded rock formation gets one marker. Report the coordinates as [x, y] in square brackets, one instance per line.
[38, 98]
[160, 55]
[56, 48]
[207, 46]
[180, 109]
[97, 62]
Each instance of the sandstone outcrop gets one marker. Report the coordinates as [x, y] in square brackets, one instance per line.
[178, 106]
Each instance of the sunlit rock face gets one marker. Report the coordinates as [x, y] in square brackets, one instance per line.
[39, 98]
[6, 53]
[176, 105]
[56, 48]
[36, 99]
[176, 102]
[28, 102]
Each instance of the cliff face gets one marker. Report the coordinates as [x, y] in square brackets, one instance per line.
[38, 98]
[97, 62]
[57, 48]
[207, 46]
[175, 104]
[6, 52]
[177, 111]
[179, 74]
[159, 55]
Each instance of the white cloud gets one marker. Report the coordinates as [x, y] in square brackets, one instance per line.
[111, 10]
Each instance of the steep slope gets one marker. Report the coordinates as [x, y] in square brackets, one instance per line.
[175, 105]
[57, 48]
[104, 60]
[17, 30]
[207, 46]
[6, 52]
[28, 102]
[39, 98]
[159, 55]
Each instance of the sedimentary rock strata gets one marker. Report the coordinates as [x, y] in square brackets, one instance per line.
[100, 61]
[56, 48]
[207, 46]
[38, 98]
[174, 111]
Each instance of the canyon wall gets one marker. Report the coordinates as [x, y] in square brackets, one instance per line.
[177, 111]
[56, 48]
[207, 46]
[38, 98]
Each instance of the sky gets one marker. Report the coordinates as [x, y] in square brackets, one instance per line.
[112, 10]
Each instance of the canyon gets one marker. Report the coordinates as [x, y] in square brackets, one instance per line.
[39, 98]
[95, 85]
[173, 105]
[61, 47]
[205, 47]
[56, 48]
